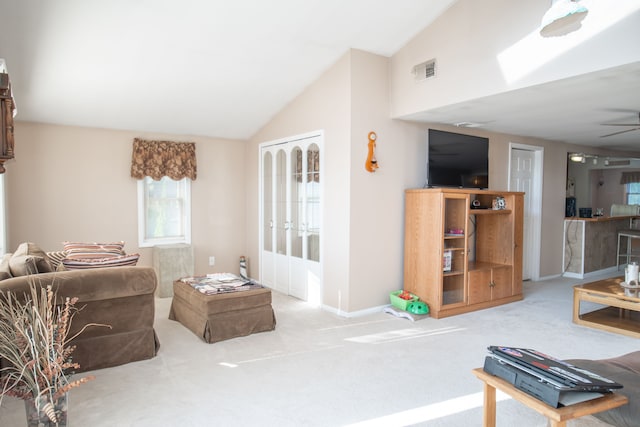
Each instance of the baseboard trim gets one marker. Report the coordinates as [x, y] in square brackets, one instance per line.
[596, 273]
[351, 314]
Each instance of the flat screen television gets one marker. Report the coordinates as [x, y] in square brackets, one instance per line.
[457, 160]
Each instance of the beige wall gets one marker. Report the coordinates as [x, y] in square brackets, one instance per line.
[348, 101]
[324, 105]
[377, 199]
[363, 212]
[606, 189]
[487, 47]
[553, 187]
[72, 183]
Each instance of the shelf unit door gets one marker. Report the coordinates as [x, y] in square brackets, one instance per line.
[502, 280]
[423, 244]
[518, 241]
[479, 286]
[490, 284]
[455, 213]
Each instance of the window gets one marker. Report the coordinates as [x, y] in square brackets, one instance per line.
[164, 211]
[633, 193]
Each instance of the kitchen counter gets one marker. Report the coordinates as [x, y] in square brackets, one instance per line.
[590, 244]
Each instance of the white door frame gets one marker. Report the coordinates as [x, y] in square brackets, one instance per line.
[314, 276]
[534, 247]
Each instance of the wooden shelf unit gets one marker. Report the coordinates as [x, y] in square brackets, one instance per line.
[486, 257]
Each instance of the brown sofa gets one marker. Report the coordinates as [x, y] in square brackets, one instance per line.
[625, 370]
[122, 297]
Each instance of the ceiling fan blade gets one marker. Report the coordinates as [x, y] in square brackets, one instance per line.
[622, 131]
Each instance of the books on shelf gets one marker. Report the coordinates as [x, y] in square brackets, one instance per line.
[446, 261]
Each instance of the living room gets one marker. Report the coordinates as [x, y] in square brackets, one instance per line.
[71, 181]
[348, 100]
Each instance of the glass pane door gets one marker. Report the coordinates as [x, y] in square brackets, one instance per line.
[267, 201]
[313, 202]
[296, 198]
[280, 222]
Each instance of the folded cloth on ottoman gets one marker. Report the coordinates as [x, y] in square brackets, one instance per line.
[625, 370]
[222, 316]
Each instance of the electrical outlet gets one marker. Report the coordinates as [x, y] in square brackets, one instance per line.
[212, 260]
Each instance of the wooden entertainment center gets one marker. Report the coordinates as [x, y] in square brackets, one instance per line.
[463, 248]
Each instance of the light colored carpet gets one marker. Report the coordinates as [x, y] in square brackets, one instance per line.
[318, 369]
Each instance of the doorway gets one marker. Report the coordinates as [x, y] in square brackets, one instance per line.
[290, 216]
[525, 174]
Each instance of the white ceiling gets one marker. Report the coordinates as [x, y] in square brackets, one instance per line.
[218, 68]
[573, 110]
[225, 68]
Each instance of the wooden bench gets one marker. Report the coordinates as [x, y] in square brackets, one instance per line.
[558, 417]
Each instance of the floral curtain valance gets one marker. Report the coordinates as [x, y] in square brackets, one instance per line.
[156, 159]
[630, 177]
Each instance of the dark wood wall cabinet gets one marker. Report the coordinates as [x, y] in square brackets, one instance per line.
[7, 107]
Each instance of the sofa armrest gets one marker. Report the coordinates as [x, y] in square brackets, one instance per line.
[625, 370]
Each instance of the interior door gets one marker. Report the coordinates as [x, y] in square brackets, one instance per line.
[522, 179]
[290, 223]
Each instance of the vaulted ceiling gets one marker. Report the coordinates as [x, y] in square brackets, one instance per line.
[225, 68]
[199, 67]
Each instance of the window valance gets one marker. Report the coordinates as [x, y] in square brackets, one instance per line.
[630, 177]
[156, 159]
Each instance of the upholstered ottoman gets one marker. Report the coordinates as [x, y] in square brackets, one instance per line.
[223, 316]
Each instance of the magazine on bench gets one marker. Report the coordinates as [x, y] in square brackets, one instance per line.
[217, 283]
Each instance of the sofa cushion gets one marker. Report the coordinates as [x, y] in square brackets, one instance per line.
[55, 258]
[29, 259]
[22, 265]
[93, 250]
[82, 263]
[5, 270]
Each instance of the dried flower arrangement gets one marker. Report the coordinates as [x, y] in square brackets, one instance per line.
[34, 337]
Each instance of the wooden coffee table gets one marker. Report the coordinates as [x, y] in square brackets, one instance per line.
[621, 313]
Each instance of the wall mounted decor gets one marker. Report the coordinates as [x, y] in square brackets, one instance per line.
[372, 164]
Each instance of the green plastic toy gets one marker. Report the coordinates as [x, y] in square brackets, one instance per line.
[417, 307]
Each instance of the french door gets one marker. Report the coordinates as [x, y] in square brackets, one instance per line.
[290, 223]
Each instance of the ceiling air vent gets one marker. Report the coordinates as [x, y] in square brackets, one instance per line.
[425, 70]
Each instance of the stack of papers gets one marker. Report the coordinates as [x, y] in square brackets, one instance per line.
[217, 283]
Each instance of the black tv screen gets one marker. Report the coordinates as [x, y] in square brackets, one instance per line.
[457, 160]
